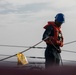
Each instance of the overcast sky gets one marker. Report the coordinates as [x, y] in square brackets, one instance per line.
[22, 21]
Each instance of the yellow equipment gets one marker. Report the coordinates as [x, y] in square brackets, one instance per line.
[22, 60]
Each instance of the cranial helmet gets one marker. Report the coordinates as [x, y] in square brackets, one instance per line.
[60, 17]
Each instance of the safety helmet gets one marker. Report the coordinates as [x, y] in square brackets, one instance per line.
[60, 17]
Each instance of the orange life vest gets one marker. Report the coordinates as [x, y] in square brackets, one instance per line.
[57, 39]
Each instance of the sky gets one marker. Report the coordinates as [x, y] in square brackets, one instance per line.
[22, 22]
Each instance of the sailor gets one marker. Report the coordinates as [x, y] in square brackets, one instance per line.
[54, 40]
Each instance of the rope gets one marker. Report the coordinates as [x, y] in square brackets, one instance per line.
[8, 57]
[14, 46]
[23, 50]
[42, 57]
[57, 49]
[70, 42]
[69, 51]
[30, 48]
[34, 47]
